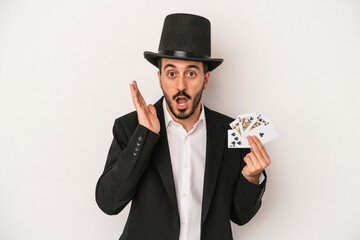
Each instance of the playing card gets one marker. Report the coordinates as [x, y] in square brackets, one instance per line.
[258, 121]
[236, 126]
[250, 124]
[246, 120]
[235, 141]
[265, 132]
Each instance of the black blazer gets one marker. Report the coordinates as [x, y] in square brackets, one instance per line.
[138, 168]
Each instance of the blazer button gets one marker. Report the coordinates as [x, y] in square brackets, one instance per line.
[135, 154]
[138, 144]
[137, 149]
[140, 138]
[177, 218]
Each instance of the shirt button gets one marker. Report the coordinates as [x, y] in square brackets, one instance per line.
[182, 223]
[186, 166]
[186, 138]
[184, 195]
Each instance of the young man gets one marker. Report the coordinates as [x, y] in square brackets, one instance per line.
[171, 159]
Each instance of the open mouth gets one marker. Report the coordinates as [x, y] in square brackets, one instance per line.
[181, 102]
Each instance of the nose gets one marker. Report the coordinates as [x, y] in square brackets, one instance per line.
[181, 83]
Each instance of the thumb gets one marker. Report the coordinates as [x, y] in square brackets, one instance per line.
[152, 110]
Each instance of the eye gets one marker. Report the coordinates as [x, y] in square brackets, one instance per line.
[191, 74]
[171, 74]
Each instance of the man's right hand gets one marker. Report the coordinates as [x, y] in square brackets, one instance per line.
[146, 113]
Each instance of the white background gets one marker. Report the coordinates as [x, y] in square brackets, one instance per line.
[65, 69]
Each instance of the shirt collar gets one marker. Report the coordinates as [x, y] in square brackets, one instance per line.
[168, 118]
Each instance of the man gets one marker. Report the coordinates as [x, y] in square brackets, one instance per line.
[171, 159]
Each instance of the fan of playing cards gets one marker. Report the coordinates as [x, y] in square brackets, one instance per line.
[250, 124]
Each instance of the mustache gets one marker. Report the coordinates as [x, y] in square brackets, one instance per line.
[181, 93]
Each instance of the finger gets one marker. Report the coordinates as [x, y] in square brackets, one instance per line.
[138, 99]
[255, 149]
[262, 149]
[257, 167]
[134, 95]
[152, 110]
[141, 99]
[254, 159]
[262, 162]
[248, 161]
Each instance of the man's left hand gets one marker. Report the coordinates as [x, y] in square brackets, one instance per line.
[256, 161]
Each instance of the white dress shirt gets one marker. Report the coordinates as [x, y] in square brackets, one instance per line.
[187, 153]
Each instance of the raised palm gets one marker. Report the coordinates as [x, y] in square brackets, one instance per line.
[146, 113]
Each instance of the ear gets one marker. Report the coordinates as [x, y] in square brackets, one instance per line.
[206, 80]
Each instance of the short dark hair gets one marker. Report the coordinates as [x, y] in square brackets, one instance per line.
[205, 66]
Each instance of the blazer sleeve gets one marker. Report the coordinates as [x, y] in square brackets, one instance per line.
[126, 162]
[247, 196]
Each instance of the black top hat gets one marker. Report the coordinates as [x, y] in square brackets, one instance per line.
[185, 36]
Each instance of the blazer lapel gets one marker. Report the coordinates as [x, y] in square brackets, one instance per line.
[161, 155]
[216, 138]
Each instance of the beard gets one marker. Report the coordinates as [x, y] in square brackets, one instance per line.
[181, 114]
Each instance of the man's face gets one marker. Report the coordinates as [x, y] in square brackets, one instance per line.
[182, 83]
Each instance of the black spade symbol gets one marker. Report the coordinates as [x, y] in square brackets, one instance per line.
[233, 142]
[262, 134]
[239, 142]
[236, 138]
[233, 134]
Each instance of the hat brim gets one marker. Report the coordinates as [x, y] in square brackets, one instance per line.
[211, 62]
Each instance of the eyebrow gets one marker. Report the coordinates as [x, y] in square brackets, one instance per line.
[187, 67]
[193, 66]
[169, 65]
